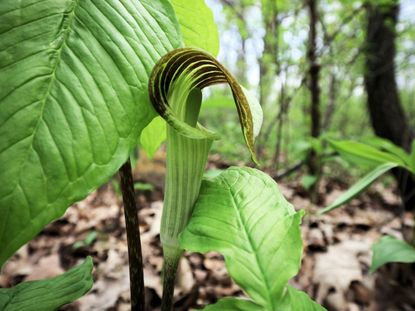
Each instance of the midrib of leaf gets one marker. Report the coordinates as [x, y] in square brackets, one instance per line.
[253, 248]
[70, 18]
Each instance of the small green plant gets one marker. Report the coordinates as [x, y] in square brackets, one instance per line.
[87, 241]
[382, 156]
[390, 249]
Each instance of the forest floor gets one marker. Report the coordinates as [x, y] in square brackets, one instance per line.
[337, 251]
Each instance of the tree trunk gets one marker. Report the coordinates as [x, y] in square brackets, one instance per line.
[313, 84]
[269, 65]
[386, 113]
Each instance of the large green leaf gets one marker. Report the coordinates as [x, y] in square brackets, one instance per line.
[73, 100]
[197, 25]
[390, 249]
[360, 186]
[49, 294]
[242, 214]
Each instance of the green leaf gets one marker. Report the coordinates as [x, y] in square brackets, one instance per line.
[219, 102]
[297, 300]
[365, 154]
[48, 294]
[197, 25]
[413, 157]
[293, 300]
[360, 186]
[184, 70]
[89, 239]
[73, 100]
[212, 173]
[386, 145]
[242, 214]
[143, 186]
[390, 249]
[153, 136]
[233, 304]
[307, 181]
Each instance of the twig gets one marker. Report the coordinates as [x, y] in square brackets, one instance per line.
[290, 170]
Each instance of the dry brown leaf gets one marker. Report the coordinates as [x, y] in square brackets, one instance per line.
[47, 267]
[335, 270]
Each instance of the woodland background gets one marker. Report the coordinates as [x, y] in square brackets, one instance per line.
[321, 69]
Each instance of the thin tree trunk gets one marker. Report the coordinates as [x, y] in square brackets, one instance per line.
[313, 84]
[328, 115]
[269, 61]
[280, 122]
[269, 65]
[386, 113]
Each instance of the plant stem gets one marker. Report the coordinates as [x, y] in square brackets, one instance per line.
[170, 265]
[133, 238]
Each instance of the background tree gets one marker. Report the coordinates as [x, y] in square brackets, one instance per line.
[386, 112]
[314, 87]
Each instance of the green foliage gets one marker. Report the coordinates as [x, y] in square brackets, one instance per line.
[153, 136]
[73, 100]
[365, 154]
[242, 214]
[143, 186]
[307, 181]
[360, 186]
[378, 153]
[383, 3]
[89, 239]
[225, 121]
[210, 174]
[387, 146]
[219, 102]
[197, 25]
[390, 249]
[49, 294]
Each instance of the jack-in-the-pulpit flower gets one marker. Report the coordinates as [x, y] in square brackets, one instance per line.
[175, 91]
